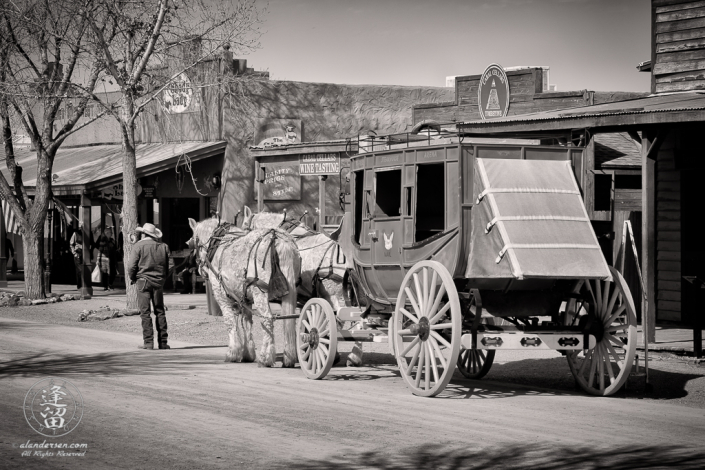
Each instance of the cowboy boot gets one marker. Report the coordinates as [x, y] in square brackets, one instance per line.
[164, 346]
[146, 346]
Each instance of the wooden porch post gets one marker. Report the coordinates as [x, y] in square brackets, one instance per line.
[321, 202]
[3, 260]
[258, 179]
[649, 149]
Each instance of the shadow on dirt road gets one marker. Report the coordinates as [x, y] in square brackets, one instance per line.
[520, 457]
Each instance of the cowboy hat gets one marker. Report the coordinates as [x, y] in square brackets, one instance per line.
[151, 230]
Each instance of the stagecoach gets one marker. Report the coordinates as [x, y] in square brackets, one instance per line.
[456, 250]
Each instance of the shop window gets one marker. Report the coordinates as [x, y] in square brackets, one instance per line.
[603, 192]
[430, 201]
[358, 179]
[388, 193]
[627, 181]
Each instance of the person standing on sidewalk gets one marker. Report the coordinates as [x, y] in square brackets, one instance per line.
[76, 247]
[148, 268]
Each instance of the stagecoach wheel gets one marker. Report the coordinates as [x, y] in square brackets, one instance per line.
[316, 338]
[428, 316]
[475, 364]
[604, 369]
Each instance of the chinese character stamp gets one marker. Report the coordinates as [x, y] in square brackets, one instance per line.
[53, 407]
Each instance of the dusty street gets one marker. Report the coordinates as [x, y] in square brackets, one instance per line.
[185, 408]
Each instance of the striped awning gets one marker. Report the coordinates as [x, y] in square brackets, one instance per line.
[11, 224]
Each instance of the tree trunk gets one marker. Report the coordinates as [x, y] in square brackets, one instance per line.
[33, 238]
[129, 202]
[33, 262]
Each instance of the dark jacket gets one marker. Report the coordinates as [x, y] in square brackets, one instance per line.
[149, 260]
[107, 247]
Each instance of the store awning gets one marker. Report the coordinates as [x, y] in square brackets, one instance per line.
[80, 168]
[615, 116]
[328, 146]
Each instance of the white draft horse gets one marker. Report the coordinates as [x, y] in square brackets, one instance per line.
[240, 273]
[321, 260]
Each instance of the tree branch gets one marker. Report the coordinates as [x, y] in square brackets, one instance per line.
[137, 73]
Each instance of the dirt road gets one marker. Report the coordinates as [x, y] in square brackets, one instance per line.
[185, 408]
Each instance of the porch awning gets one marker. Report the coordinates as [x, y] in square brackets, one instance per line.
[76, 169]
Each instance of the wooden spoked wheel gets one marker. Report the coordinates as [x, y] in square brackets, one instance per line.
[426, 328]
[316, 338]
[604, 369]
[475, 363]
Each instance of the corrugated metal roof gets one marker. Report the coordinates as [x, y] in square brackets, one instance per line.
[616, 150]
[662, 103]
[87, 165]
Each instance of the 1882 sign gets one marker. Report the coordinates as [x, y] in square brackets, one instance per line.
[320, 164]
[493, 93]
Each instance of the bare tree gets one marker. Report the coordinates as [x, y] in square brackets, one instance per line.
[156, 42]
[43, 63]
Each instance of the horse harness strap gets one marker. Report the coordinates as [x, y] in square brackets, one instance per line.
[280, 286]
[331, 272]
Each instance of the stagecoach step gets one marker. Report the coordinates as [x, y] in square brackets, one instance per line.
[560, 340]
[375, 336]
[350, 314]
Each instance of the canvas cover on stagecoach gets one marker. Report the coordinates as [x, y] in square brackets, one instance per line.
[529, 221]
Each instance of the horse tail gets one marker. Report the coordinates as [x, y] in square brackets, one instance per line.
[290, 264]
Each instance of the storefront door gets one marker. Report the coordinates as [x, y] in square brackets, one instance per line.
[175, 213]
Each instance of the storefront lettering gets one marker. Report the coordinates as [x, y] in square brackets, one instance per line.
[320, 164]
[281, 183]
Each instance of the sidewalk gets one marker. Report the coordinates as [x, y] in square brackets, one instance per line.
[668, 338]
[171, 300]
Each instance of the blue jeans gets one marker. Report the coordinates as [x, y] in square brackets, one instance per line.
[147, 295]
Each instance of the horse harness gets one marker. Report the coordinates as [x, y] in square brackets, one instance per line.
[289, 226]
[276, 288]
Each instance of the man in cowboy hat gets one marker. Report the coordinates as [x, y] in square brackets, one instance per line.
[148, 268]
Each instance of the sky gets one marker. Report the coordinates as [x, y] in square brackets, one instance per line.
[588, 44]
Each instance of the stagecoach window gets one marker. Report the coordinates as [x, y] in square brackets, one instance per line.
[430, 201]
[358, 203]
[388, 193]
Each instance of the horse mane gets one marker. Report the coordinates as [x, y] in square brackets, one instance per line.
[266, 219]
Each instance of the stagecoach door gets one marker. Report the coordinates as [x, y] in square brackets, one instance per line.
[386, 235]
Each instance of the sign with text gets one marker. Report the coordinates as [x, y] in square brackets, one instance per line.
[319, 164]
[180, 96]
[281, 183]
[277, 132]
[116, 192]
[493, 93]
[149, 191]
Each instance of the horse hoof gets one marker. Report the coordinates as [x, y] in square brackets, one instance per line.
[288, 364]
[353, 361]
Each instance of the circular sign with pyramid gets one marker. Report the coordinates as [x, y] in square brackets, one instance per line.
[493, 93]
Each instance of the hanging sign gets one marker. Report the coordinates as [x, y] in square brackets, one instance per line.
[281, 183]
[116, 192]
[180, 96]
[149, 191]
[493, 93]
[319, 164]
